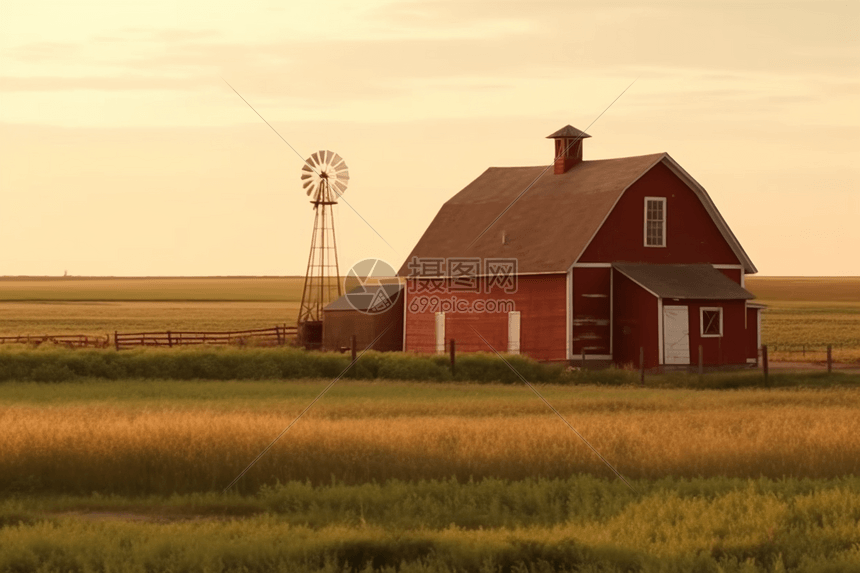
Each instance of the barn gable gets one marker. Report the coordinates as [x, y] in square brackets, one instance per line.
[693, 234]
[548, 221]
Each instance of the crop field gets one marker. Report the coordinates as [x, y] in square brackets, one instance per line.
[804, 314]
[128, 475]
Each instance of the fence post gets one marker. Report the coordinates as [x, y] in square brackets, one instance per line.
[169, 340]
[642, 365]
[352, 347]
[764, 363]
[453, 357]
[701, 362]
[115, 340]
[829, 358]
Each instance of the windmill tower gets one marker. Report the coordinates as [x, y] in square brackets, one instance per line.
[324, 178]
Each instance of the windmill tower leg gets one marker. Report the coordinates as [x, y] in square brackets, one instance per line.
[322, 279]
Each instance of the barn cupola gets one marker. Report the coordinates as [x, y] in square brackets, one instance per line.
[568, 147]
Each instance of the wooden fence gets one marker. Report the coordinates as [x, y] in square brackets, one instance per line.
[71, 340]
[274, 336]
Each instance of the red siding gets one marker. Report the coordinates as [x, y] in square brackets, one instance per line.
[691, 235]
[752, 333]
[590, 326]
[732, 346]
[540, 299]
[734, 274]
[635, 323]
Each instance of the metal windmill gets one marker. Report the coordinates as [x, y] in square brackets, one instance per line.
[324, 178]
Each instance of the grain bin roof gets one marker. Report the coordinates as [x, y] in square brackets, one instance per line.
[545, 221]
[684, 281]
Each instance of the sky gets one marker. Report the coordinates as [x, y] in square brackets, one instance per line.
[124, 152]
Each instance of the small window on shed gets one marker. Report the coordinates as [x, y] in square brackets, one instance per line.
[655, 221]
[711, 321]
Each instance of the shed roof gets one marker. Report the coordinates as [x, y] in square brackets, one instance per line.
[362, 298]
[684, 281]
[545, 221]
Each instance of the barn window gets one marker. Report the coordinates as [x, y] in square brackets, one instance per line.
[711, 321]
[655, 221]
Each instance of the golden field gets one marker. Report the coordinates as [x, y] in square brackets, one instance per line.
[804, 313]
[432, 432]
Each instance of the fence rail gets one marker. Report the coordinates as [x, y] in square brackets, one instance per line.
[274, 336]
[73, 340]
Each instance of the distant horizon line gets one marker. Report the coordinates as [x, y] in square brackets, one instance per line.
[143, 277]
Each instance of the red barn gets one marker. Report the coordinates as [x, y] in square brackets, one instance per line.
[604, 258]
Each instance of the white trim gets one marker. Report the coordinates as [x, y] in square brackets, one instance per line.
[751, 361]
[708, 203]
[611, 304]
[758, 331]
[702, 310]
[595, 295]
[519, 274]
[514, 328]
[645, 224]
[590, 265]
[405, 314]
[743, 274]
[739, 267]
[617, 199]
[659, 331]
[568, 318]
[439, 320]
[593, 357]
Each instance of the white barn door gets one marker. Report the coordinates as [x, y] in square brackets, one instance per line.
[676, 335]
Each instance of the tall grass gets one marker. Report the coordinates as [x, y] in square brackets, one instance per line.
[127, 450]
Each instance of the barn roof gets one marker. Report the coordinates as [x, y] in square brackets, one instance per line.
[684, 281]
[545, 221]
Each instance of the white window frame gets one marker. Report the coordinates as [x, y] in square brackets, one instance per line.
[645, 222]
[702, 310]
